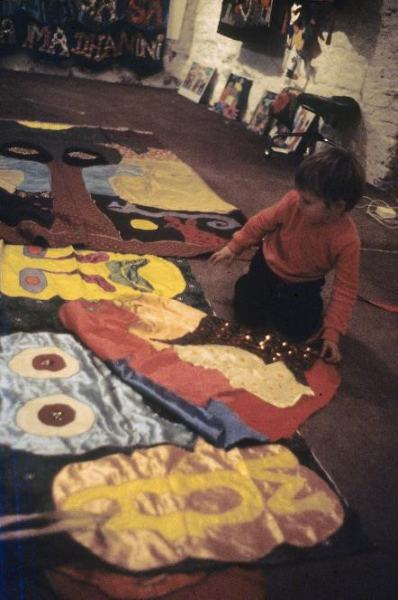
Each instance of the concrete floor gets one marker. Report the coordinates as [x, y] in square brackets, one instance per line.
[355, 437]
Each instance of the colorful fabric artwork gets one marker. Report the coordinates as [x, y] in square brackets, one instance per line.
[253, 21]
[57, 398]
[247, 13]
[221, 386]
[196, 81]
[261, 116]
[108, 189]
[233, 99]
[164, 505]
[40, 273]
[92, 33]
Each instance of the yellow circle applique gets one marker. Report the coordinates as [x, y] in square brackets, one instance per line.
[144, 224]
[28, 417]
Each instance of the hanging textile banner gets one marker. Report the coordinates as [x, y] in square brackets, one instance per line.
[257, 21]
[90, 33]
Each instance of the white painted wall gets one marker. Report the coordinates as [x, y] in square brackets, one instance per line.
[361, 62]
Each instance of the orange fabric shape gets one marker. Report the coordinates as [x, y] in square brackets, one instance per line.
[234, 583]
[118, 586]
[163, 505]
[104, 328]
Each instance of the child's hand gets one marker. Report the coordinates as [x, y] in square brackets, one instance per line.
[223, 254]
[330, 352]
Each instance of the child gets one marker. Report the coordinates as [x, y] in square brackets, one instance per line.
[304, 236]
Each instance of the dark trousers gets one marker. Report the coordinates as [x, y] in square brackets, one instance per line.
[262, 299]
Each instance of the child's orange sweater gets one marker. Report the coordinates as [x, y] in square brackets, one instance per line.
[297, 250]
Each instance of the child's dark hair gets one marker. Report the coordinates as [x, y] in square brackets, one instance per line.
[332, 174]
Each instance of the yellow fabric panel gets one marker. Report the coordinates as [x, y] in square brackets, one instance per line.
[165, 277]
[45, 125]
[273, 383]
[168, 185]
[164, 504]
[161, 318]
[9, 180]
[144, 224]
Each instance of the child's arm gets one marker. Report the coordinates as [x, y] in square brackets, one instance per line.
[344, 294]
[265, 221]
[224, 254]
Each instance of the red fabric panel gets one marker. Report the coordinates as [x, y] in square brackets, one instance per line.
[282, 422]
[103, 327]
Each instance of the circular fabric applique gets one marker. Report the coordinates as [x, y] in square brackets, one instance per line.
[34, 251]
[44, 362]
[32, 280]
[144, 224]
[55, 415]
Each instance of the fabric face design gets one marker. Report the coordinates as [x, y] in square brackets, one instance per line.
[109, 189]
[140, 354]
[31, 272]
[164, 505]
[57, 398]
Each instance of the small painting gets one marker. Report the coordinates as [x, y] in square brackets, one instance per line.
[233, 99]
[260, 119]
[302, 121]
[196, 82]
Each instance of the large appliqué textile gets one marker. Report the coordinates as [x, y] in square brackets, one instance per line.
[57, 398]
[105, 189]
[161, 506]
[226, 385]
[91, 33]
[35, 281]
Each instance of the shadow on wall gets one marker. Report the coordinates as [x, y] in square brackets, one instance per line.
[360, 22]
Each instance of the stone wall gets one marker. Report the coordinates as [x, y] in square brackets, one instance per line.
[359, 62]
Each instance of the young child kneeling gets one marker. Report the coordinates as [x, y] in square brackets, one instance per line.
[303, 236]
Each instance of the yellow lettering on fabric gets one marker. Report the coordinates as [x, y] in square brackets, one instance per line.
[108, 276]
[245, 481]
[168, 185]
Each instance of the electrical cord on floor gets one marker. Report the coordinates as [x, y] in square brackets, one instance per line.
[381, 211]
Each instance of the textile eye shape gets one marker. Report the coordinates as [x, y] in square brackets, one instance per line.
[57, 398]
